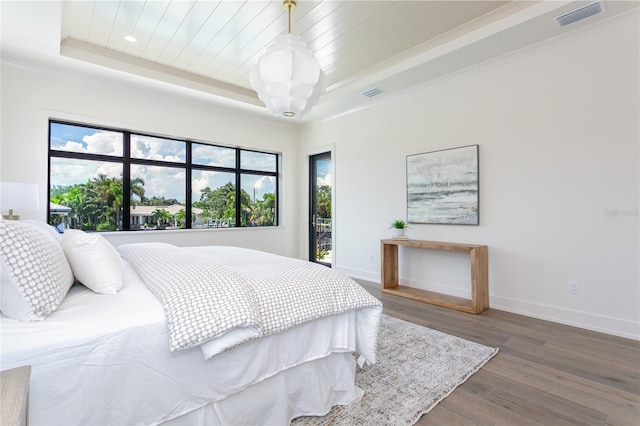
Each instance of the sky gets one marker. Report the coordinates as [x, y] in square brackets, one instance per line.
[323, 175]
[168, 182]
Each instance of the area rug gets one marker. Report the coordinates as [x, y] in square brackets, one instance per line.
[416, 368]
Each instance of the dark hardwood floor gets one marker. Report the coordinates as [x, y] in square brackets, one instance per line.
[544, 374]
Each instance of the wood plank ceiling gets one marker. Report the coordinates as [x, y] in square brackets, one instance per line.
[221, 40]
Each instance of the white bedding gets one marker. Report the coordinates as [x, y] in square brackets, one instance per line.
[262, 264]
[105, 359]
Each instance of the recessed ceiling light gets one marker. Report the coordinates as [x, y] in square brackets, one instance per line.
[130, 38]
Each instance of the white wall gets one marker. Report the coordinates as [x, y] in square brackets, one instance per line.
[558, 130]
[30, 96]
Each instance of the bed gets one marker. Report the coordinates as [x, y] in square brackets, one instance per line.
[105, 358]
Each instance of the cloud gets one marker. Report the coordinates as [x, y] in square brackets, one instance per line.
[324, 181]
[161, 181]
[72, 146]
[202, 179]
[214, 155]
[258, 161]
[158, 149]
[110, 169]
[258, 185]
[66, 171]
[109, 143]
[197, 185]
[264, 180]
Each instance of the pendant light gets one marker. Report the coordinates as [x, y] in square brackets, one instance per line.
[287, 77]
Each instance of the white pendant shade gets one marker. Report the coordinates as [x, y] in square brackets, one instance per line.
[288, 78]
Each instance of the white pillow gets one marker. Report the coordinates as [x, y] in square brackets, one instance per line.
[95, 262]
[35, 273]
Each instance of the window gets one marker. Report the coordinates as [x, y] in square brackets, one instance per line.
[171, 183]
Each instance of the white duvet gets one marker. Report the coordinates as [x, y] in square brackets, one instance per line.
[223, 296]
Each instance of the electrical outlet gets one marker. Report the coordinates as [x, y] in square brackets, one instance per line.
[370, 258]
[574, 287]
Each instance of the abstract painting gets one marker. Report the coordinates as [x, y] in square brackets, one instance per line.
[442, 186]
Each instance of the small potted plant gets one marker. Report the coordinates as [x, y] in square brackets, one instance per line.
[399, 227]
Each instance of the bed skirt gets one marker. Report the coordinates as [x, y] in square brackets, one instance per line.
[312, 389]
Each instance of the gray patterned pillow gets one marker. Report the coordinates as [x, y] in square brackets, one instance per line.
[46, 228]
[36, 275]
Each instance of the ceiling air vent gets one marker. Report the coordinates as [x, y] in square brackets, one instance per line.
[579, 14]
[373, 92]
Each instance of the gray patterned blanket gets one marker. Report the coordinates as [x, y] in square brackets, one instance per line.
[218, 304]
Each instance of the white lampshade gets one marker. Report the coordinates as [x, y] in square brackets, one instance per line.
[18, 196]
[288, 78]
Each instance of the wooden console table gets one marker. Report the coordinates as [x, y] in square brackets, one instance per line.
[479, 275]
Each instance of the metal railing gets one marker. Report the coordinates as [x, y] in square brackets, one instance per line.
[323, 228]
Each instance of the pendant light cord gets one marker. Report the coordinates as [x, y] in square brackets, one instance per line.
[289, 4]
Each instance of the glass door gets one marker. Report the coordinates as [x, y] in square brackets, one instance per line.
[320, 223]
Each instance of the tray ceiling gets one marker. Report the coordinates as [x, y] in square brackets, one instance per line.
[221, 40]
[210, 46]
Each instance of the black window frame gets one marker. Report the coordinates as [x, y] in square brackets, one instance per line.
[127, 161]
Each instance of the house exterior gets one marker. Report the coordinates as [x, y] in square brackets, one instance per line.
[558, 129]
[143, 215]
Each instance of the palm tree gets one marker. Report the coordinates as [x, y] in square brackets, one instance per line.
[180, 218]
[137, 188]
[74, 198]
[205, 215]
[116, 205]
[161, 216]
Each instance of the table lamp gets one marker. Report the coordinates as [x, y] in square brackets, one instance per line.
[18, 196]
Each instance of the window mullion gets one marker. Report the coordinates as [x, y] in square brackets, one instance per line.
[238, 191]
[126, 182]
[188, 199]
[276, 206]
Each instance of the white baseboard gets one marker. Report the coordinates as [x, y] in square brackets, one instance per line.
[600, 323]
[359, 273]
[588, 321]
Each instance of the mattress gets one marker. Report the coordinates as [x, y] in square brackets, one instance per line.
[105, 359]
